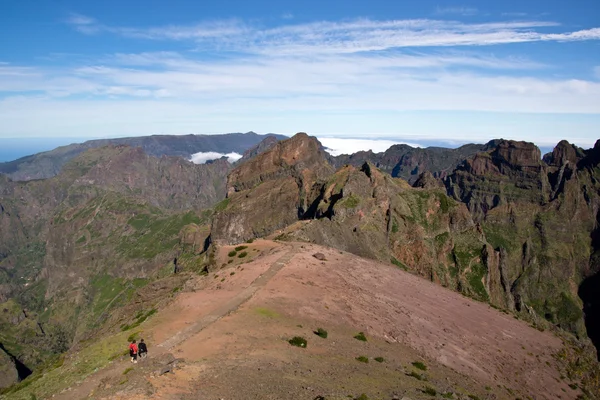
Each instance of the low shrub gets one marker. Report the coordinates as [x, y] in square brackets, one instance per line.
[379, 359]
[360, 336]
[298, 341]
[362, 359]
[430, 391]
[240, 248]
[416, 375]
[321, 333]
[242, 254]
[419, 365]
[232, 253]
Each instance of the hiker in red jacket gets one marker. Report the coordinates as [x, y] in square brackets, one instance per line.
[133, 352]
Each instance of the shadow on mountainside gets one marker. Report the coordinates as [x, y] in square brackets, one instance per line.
[22, 370]
[589, 292]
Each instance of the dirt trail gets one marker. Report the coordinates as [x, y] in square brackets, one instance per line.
[231, 305]
[244, 293]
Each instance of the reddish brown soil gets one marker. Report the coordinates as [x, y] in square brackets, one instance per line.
[242, 352]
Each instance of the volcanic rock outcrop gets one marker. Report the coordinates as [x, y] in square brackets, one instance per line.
[271, 191]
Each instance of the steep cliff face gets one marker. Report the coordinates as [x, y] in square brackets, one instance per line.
[509, 172]
[538, 217]
[369, 213]
[271, 190]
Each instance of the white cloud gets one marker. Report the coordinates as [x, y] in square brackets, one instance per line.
[338, 146]
[344, 37]
[287, 16]
[203, 157]
[321, 77]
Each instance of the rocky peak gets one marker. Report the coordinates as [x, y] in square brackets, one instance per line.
[301, 153]
[427, 181]
[563, 153]
[505, 157]
[508, 171]
[520, 155]
[271, 190]
[267, 144]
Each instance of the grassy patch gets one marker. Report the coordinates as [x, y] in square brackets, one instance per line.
[351, 201]
[298, 341]
[221, 206]
[362, 359]
[139, 319]
[240, 248]
[232, 253]
[419, 365]
[321, 333]
[242, 254]
[473, 397]
[362, 397]
[398, 263]
[448, 395]
[379, 359]
[250, 241]
[265, 312]
[360, 336]
[441, 239]
[128, 370]
[417, 376]
[153, 234]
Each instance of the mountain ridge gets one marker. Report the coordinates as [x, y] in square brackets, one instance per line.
[95, 243]
[47, 164]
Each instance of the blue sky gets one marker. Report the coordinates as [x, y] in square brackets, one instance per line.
[458, 72]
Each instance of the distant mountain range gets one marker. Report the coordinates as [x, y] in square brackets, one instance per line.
[47, 164]
[85, 227]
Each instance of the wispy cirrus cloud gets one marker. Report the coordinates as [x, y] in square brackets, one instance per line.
[243, 75]
[464, 11]
[354, 36]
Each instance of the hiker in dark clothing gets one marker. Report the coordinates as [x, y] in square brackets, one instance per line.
[175, 269]
[133, 352]
[142, 349]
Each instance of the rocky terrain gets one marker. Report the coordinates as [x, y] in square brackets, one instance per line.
[87, 255]
[49, 163]
[498, 228]
[408, 163]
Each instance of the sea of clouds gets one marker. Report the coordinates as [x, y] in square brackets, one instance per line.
[333, 145]
[338, 146]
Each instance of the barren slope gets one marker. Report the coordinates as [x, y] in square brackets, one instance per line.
[230, 330]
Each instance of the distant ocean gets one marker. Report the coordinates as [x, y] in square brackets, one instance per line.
[14, 148]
